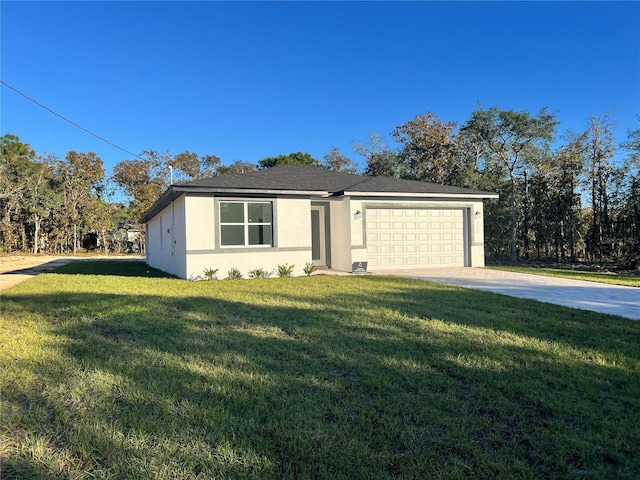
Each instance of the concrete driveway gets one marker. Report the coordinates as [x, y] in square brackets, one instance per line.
[598, 297]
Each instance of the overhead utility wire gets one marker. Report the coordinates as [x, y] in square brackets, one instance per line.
[67, 120]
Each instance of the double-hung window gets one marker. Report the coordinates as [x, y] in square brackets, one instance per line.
[244, 224]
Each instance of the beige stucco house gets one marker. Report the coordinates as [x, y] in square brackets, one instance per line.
[295, 215]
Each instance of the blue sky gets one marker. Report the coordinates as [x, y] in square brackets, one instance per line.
[251, 80]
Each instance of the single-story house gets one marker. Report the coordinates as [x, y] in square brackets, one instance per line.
[295, 215]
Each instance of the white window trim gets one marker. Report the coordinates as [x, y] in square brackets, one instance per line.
[245, 224]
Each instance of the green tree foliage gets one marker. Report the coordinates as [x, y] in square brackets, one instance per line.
[297, 158]
[28, 194]
[237, 166]
[566, 169]
[209, 165]
[336, 161]
[82, 176]
[143, 182]
[55, 206]
[187, 163]
[507, 139]
[632, 146]
[41, 197]
[384, 163]
[599, 175]
[430, 151]
[630, 210]
[379, 158]
[189, 166]
[46, 202]
[16, 161]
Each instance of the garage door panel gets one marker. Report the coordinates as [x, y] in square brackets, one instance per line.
[407, 242]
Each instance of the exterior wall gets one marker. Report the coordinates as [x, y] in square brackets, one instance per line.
[340, 234]
[291, 238]
[246, 261]
[293, 223]
[357, 217]
[199, 230]
[159, 245]
[179, 237]
[183, 238]
[477, 235]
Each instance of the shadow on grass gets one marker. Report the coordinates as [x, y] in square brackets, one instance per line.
[122, 268]
[576, 328]
[35, 269]
[372, 377]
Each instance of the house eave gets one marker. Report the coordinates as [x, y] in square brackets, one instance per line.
[251, 191]
[421, 195]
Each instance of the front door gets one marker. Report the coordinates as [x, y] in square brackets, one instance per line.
[318, 237]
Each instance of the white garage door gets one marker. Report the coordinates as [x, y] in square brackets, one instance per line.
[414, 238]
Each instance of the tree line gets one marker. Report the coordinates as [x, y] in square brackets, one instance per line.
[562, 200]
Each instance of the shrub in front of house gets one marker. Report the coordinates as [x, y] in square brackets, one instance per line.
[309, 268]
[285, 270]
[233, 274]
[210, 273]
[259, 273]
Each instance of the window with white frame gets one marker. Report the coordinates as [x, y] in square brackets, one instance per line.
[245, 224]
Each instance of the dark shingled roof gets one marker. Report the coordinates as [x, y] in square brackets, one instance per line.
[300, 178]
[284, 177]
[308, 180]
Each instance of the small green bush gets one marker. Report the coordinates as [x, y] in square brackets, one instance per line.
[210, 273]
[233, 274]
[285, 270]
[309, 268]
[259, 273]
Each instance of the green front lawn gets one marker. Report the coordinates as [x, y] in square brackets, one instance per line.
[107, 376]
[612, 278]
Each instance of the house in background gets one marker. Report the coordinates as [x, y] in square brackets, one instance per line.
[293, 214]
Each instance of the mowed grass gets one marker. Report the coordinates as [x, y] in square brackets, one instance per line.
[107, 376]
[611, 278]
[121, 268]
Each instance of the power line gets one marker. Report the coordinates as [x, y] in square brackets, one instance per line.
[69, 121]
